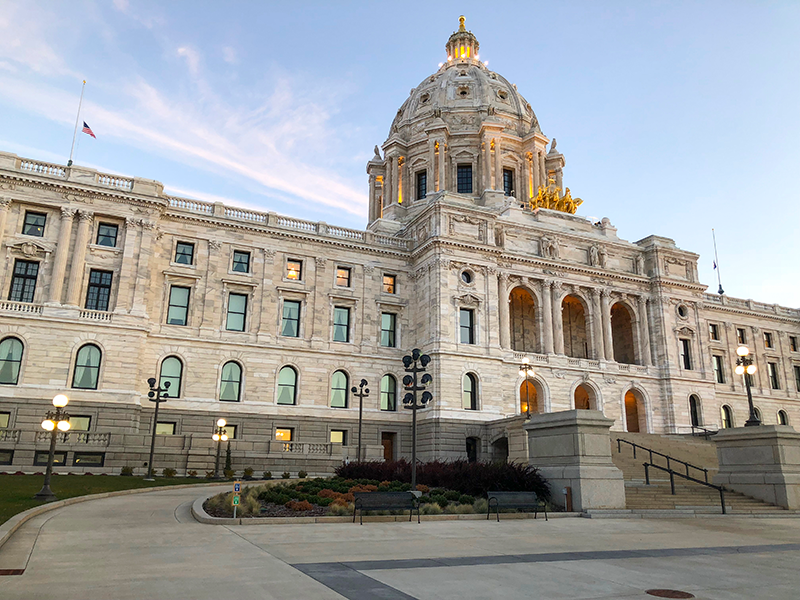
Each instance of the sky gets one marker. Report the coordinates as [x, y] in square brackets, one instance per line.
[674, 117]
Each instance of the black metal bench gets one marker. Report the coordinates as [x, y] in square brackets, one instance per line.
[385, 501]
[518, 500]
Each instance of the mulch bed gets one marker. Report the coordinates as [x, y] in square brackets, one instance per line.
[275, 510]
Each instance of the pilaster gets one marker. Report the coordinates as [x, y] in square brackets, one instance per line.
[79, 258]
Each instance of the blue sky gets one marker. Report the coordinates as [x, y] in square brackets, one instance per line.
[674, 117]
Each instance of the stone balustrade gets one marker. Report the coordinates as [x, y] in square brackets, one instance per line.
[20, 307]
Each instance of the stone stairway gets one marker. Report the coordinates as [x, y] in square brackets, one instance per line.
[690, 498]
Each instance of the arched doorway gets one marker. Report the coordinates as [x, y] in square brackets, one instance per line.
[633, 414]
[523, 320]
[528, 397]
[622, 333]
[573, 319]
[500, 450]
[585, 398]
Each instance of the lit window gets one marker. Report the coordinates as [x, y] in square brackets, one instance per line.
[241, 262]
[178, 309]
[339, 390]
[464, 177]
[6, 457]
[172, 372]
[98, 293]
[290, 323]
[107, 235]
[783, 417]
[23, 282]
[389, 282]
[469, 396]
[343, 276]
[237, 311]
[87, 368]
[341, 324]
[388, 325]
[5, 418]
[231, 382]
[184, 253]
[713, 331]
[686, 355]
[284, 434]
[727, 417]
[793, 343]
[767, 339]
[287, 386]
[40, 458]
[294, 269]
[741, 335]
[10, 360]
[508, 182]
[77, 423]
[164, 428]
[422, 184]
[339, 436]
[772, 372]
[389, 393]
[34, 224]
[88, 459]
[719, 374]
[467, 325]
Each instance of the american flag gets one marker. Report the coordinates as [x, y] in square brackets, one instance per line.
[87, 129]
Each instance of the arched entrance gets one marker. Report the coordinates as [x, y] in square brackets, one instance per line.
[585, 398]
[573, 319]
[473, 444]
[694, 410]
[622, 333]
[500, 449]
[523, 320]
[633, 415]
[528, 397]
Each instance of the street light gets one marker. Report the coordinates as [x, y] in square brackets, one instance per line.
[360, 392]
[745, 363]
[158, 395]
[410, 399]
[220, 435]
[54, 421]
[526, 371]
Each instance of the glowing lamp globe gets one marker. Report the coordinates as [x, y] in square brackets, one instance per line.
[48, 425]
[739, 370]
[221, 423]
[60, 401]
[224, 437]
[751, 369]
[63, 425]
[742, 351]
[215, 437]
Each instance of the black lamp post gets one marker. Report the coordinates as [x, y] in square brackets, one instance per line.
[220, 435]
[158, 395]
[526, 371]
[54, 421]
[415, 363]
[360, 392]
[745, 367]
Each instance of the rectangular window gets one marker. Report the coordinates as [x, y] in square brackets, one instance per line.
[341, 324]
[88, 459]
[184, 253]
[5, 418]
[231, 431]
[713, 331]
[388, 324]
[508, 182]
[793, 343]
[422, 184]
[741, 335]
[797, 377]
[719, 374]
[178, 310]
[107, 235]
[165, 428]
[339, 436]
[294, 269]
[79, 423]
[34, 224]
[467, 325]
[237, 311]
[284, 434]
[686, 355]
[40, 458]
[767, 339]
[290, 325]
[464, 179]
[343, 276]
[6, 457]
[99, 291]
[23, 283]
[772, 371]
[241, 262]
[389, 284]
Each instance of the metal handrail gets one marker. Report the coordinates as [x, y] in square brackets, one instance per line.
[661, 454]
[672, 474]
[704, 432]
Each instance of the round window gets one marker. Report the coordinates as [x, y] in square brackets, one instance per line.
[466, 276]
[683, 312]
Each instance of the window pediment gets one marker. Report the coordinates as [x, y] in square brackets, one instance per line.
[30, 249]
[468, 300]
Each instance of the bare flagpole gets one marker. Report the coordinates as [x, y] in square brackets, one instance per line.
[716, 263]
[77, 120]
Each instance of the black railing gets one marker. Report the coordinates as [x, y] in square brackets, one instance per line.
[672, 474]
[702, 432]
[670, 459]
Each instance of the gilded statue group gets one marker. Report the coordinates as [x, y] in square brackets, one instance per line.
[551, 198]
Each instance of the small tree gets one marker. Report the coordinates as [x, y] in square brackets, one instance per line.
[228, 465]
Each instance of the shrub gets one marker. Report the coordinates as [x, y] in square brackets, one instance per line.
[340, 510]
[267, 474]
[481, 505]
[421, 487]
[209, 474]
[128, 471]
[431, 509]
[228, 473]
[169, 472]
[286, 475]
[466, 499]
[302, 474]
[191, 474]
[452, 495]
[299, 505]
[248, 473]
[363, 488]
[440, 500]
[248, 506]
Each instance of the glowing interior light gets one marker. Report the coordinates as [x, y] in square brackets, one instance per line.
[63, 425]
[468, 49]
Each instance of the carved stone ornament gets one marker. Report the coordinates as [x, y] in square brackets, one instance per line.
[147, 224]
[467, 300]
[685, 331]
[550, 247]
[214, 245]
[5, 203]
[610, 380]
[78, 198]
[29, 249]
[369, 269]
[7, 186]
[104, 253]
[67, 213]
[269, 253]
[559, 374]
[87, 216]
[142, 211]
[320, 261]
[585, 377]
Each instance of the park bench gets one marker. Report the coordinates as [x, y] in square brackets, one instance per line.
[518, 500]
[385, 501]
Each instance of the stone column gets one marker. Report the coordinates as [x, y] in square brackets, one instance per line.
[143, 282]
[395, 179]
[442, 168]
[62, 253]
[498, 165]
[430, 169]
[502, 301]
[388, 181]
[605, 309]
[558, 325]
[547, 316]
[78, 258]
[487, 164]
[127, 275]
[644, 331]
[373, 204]
[535, 172]
[542, 170]
[597, 325]
[4, 204]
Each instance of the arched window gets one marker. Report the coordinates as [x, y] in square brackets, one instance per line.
[231, 382]
[469, 394]
[783, 417]
[10, 360]
[757, 412]
[388, 393]
[694, 410]
[727, 417]
[339, 390]
[87, 368]
[287, 386]
[172, 372]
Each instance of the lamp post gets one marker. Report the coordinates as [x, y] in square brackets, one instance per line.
[54, 421]
[158, 395]
[220, 435]
[526, 371]
[360, 392]
[415, 363]
[745, 367]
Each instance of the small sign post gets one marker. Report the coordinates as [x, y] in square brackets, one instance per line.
[237, 488]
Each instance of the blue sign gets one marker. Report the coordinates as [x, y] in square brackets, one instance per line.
[237, 487]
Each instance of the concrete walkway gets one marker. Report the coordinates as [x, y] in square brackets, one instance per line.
[147, 546]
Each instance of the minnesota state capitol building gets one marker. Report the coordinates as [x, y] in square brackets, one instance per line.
[473, 253]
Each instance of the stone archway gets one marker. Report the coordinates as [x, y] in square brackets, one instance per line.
[529, 397]
[500, 449]
[585, 398]
[522, 320]
[573, 319]
[634, 412]
[622, 333]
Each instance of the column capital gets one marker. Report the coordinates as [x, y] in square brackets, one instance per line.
[557, 285]
[4, 203]
[596, 292]
[503, 276]
[642, 300]
[67, 214]
[547, 283]
[606, 293]
[85, 216]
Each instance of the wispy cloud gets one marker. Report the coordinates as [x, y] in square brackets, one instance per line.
[192, 59]
[229, 55]
[24, 41]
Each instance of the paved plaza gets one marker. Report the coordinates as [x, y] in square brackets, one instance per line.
[149, 546]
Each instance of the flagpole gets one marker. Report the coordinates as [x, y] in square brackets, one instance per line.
[77, 120]
[716, 263]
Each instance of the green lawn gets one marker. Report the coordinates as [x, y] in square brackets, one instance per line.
[16, 491]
